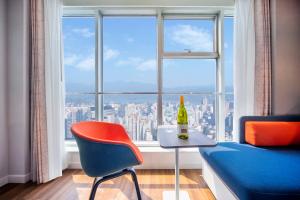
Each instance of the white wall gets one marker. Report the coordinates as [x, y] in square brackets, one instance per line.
[3, 94]
[18, 91]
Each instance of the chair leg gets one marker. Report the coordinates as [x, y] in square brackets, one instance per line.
[94, 188]
[97, 182]
[134, 178]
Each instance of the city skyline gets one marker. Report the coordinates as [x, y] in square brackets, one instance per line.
[140, 119]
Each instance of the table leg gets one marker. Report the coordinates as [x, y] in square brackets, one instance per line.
[177, 173]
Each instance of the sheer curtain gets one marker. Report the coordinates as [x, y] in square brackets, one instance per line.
[54, 87]
[47, 91]
[244, 62]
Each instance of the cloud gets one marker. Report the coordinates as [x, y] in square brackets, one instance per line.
[84, 32]
[86, 64]
[147, 65]
[71, 59]
[193, 37]
[80, 62]
[134, 61]
[130, 40]
[110, 53]
[139, 63]
[225, 45]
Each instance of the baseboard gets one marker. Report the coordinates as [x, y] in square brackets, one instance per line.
[74, 165]
[3, 181]
[19, 178]
[187, 160]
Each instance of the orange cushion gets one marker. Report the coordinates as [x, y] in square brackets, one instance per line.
[272, 133]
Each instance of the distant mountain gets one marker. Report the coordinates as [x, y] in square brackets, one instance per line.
[123, 86]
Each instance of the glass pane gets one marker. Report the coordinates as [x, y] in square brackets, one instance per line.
[189, 75]
[228, 58]
[228, 116]
[200, 109]
[194, 35]
[129, 54]
[79, 53]
[228, 53]
[137, 113]
[78, 108]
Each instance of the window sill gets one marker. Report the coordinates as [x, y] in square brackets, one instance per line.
[71, 147]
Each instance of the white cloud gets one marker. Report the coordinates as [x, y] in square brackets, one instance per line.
[147, 65]
[110, 53]
[139, 63]
[225, 45]
[130, 40]
[195, 38]
[86, 64]
[79, 61]
[134, 61]
[84, 32]
[71, 59]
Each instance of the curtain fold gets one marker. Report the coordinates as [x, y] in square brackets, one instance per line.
[263, 60]
[54, 87]
[39, 141]
[47, 123]
[244, 62]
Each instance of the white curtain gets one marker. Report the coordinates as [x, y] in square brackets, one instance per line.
[244, 62]
[54, 87]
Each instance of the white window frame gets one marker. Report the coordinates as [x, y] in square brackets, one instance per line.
[218, 14]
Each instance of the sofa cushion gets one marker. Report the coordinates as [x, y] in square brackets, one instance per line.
[262, 133]
[256, 173]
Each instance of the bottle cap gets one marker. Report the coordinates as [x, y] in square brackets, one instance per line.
[181, 100]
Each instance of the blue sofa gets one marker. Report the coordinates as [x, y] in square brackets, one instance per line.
[253, 172]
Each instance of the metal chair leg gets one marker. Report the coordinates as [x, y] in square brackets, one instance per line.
[96, 183]
[136, 184]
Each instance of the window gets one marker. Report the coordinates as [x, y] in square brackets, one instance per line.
[130, 74]
[132, 69]
[79, 66]
[189, 69]
[228, 65]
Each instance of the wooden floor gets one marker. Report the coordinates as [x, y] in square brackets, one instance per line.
[75, 185]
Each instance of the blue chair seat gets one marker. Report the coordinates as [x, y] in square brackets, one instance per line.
[256, 173]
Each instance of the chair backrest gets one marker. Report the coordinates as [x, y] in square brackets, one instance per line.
[283, 118]
[102, 151]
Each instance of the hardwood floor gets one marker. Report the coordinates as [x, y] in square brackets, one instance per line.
[74, 184]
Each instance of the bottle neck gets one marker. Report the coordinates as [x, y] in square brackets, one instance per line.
[181, 101]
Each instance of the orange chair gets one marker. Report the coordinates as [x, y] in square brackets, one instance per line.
[106, 152]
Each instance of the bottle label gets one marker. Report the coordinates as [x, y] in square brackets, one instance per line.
[182, 128]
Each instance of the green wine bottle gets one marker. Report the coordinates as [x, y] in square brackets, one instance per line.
[182, 121]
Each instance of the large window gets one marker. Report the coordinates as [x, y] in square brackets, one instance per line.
[132, 69]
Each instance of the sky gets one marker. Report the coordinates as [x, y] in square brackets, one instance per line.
[129, 54]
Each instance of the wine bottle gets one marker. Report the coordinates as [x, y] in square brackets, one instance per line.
[182, 121]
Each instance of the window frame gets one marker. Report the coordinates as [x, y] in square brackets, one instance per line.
[218, 54]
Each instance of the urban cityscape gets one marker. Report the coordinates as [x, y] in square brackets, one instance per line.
[138, 114]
